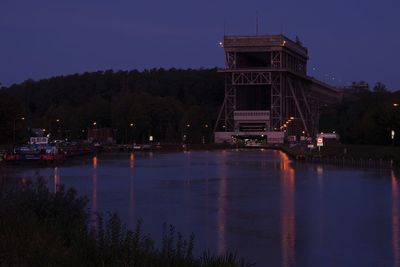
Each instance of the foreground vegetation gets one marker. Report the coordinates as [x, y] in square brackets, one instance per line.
[40, 228]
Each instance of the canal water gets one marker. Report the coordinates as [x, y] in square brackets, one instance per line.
[272, 211]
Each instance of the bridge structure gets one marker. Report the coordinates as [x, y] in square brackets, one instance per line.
[268, 94]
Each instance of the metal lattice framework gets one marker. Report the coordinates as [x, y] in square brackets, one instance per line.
[295, 98]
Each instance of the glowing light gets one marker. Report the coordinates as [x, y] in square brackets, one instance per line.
[395, 105]
[94, 123]
[292, 118]
[131, 124]
[94, 162]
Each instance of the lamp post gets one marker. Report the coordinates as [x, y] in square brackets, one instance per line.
[392, 132]
[187, 132]
[15, 120]
[131, 132]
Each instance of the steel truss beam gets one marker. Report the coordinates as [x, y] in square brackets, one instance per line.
[251, 78]
[296, 101]
[276, 101]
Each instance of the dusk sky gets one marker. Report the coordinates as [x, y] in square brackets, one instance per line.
[348, 40]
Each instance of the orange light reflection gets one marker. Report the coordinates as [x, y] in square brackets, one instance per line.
[288, 212]
[94, 193]
[94, 162]
[395, 220]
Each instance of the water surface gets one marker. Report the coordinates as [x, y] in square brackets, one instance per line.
[256, 202]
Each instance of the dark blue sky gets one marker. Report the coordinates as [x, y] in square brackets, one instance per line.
[347, 39]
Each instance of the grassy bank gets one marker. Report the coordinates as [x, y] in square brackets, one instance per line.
[41, 228]
[348, 152]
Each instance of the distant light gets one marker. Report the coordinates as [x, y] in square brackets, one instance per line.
[150, 138]
[43, 130]
[57, 120]
[94, 123]
[334, 132]
[188, 125]
[221, 44]
[395, 105]
[206, 125]
[292, 118]
[284, 42]
[23, 118]
[131, 124]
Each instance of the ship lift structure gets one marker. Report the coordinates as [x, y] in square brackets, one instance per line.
[268, 93]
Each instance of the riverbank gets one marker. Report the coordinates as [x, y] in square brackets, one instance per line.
[341, 154]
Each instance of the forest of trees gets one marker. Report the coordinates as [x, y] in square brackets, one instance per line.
[166, 104]
[365, 116]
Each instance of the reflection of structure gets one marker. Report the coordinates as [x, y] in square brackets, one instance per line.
[288, 212]
[57, 180]
[267, 89]
[395, 221]
[221, 210]
[131, 204]
[94, 192]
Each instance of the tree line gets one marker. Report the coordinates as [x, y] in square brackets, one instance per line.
[168, 104]
[365, 116]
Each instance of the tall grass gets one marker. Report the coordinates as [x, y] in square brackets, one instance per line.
[41, 228]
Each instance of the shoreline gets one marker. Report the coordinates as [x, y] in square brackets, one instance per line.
[378, 157]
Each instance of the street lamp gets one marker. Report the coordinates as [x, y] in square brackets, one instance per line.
[392, 133]
[15, 120]
[131, 133]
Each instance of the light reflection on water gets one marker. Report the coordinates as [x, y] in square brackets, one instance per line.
[288, 213]
[259, 203]
[222, 191]
[131, 204]
[395, 220]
